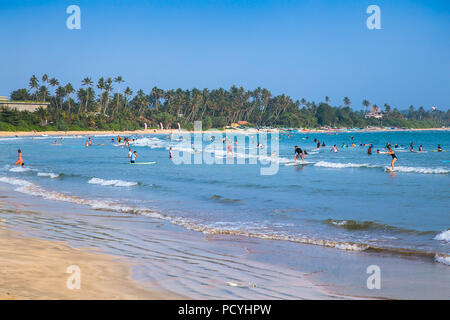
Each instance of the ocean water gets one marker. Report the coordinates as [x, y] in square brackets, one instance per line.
[340, 203]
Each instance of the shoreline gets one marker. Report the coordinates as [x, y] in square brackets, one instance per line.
[168, 131]
[33, 268]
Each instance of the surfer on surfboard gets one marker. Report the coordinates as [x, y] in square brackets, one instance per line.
[298, 153]
[392, 154]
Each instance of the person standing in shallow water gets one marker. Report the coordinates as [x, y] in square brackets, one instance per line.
[19, 159]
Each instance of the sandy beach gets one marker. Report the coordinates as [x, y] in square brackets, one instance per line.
[168, 131]
[36, 269]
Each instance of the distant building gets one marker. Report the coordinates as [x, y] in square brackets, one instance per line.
[30, 106]
[375, 112]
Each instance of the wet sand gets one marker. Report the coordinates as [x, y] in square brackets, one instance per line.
[32, 268]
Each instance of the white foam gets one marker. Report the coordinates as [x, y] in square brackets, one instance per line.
[443, 236]
[14, 181]
[115, 183]
[339, 165]
[48, 174]
[19, 169]
[442, 259]
[422, 170]
[35, 190]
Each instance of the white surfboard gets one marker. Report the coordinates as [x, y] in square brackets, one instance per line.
[298, 163]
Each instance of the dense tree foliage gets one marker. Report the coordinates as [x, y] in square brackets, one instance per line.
[107, 109]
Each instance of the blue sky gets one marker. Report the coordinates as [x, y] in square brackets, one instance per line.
[309, 49]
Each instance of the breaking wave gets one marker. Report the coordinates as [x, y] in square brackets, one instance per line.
[443, 236]
[422, 170]
[48, 174]
[114, 183]
[191, 224]
[338, 165]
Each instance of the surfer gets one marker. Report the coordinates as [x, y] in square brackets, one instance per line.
[420, 148]
[129, 153]
[439, 149]
[392, 154]
[19, 159]
[369, 151]
[411, 146]
[170, 153]
[133, 157]
[335, 149]
[298, 153]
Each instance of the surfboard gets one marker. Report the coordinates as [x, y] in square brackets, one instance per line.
[144, 162]
[389, 169]
[438, 151]
[299, 163]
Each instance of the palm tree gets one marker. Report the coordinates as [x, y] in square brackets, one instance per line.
[101, 86]
[118, 80]
[303, 101]
[69, 90]
[347, 102]
[127, 94]
[157, 93]
[387, 108]
[108, 88]
[43, 92]
[327, 99]
[45, 79]
[54, 83]
[366, 104]
[34, 84]
[88, 83]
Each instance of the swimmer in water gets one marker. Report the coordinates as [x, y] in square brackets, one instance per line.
[411, 146]
[19, 159]
[392, 154]
[439, 149]
[299, 153]
[420, 148]
[369, 151]
[56, 142]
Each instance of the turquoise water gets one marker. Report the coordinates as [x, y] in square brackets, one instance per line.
[344, 201]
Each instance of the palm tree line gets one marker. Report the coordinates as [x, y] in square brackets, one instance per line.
[216, 107]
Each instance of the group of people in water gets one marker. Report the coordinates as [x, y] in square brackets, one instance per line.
[300, 154]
